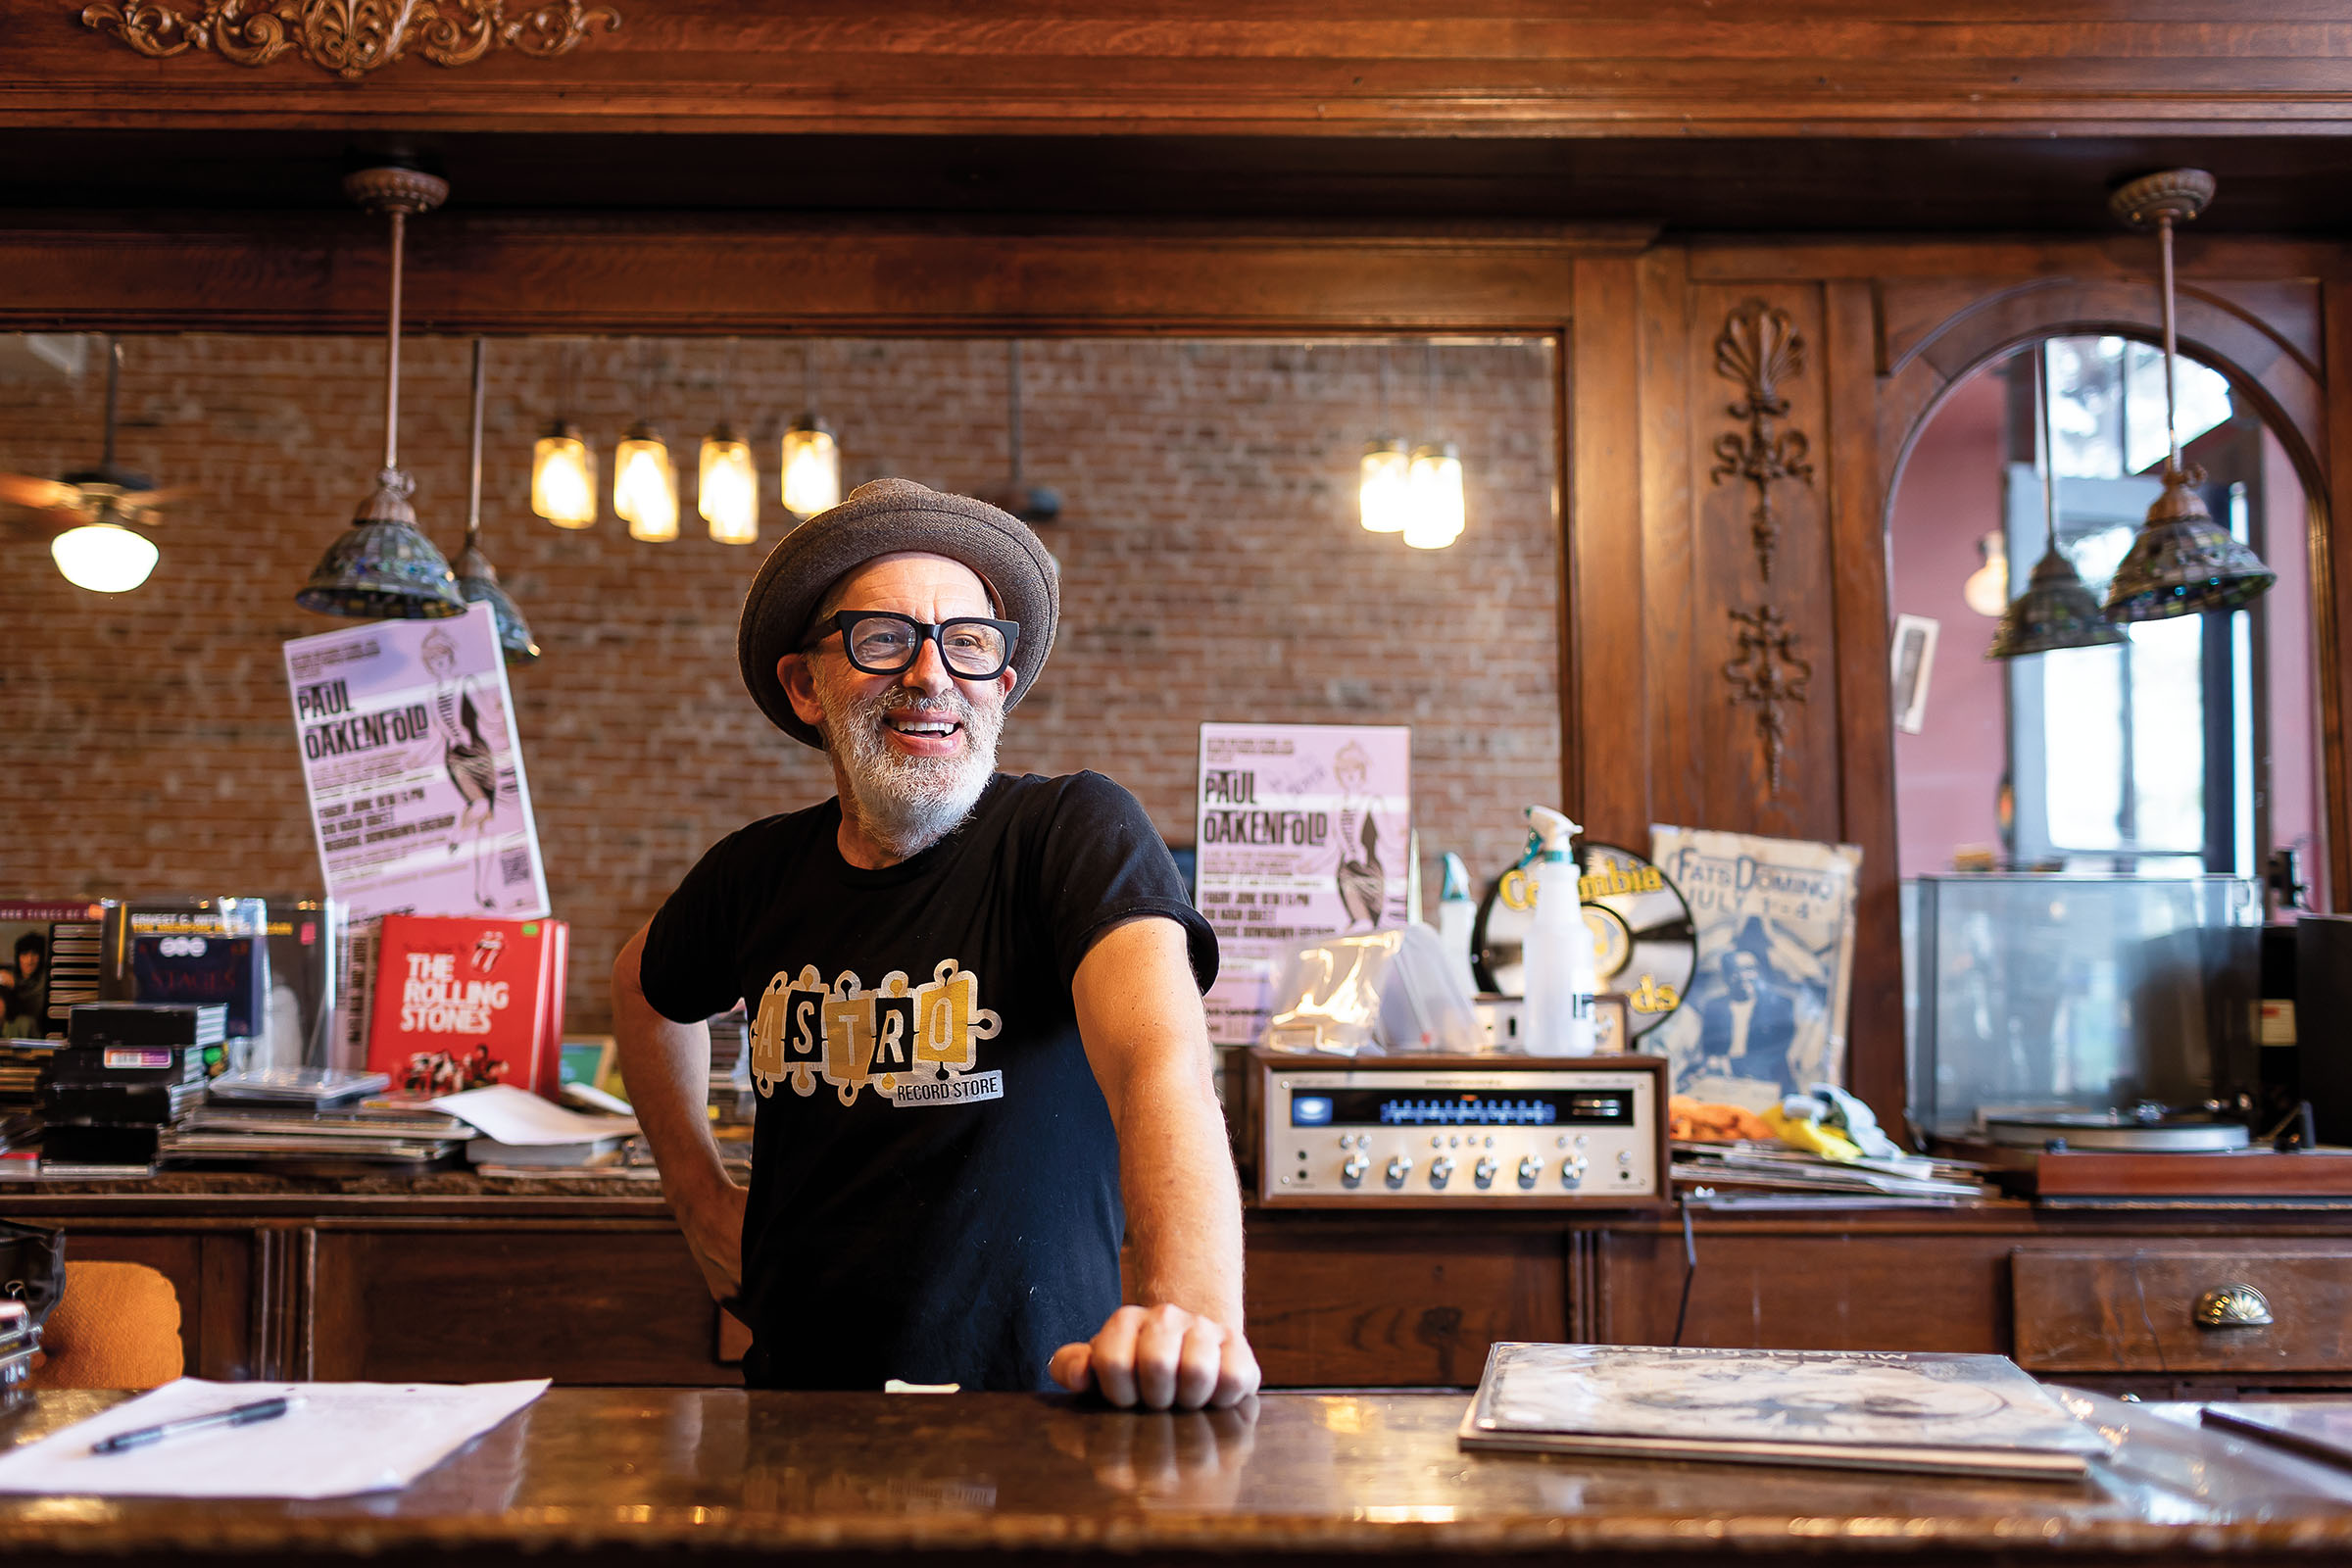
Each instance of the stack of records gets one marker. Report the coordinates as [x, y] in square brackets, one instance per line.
[22, 1064]
[294, 1137]
[1773, 1175]
[128, 1071]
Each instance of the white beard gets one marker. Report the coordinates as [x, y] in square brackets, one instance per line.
[908, 803]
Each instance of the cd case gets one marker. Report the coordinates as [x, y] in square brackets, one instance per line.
[1862, 1410]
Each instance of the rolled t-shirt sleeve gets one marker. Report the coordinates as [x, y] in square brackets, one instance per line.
[687, 968]
[1104, 863]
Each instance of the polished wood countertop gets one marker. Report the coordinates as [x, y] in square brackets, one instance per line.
[617, 1472]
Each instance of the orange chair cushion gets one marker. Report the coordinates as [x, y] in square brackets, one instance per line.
[115, 1326]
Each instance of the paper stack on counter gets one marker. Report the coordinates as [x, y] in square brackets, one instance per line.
[518, 1129]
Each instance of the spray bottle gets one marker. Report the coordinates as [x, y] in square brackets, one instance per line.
[1560, 979]
[1457, 915]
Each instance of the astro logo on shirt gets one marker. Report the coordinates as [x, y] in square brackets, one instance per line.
[916, 1047]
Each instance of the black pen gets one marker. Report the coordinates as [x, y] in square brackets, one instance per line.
[234, 1417]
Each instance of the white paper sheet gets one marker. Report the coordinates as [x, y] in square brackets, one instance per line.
[515, 1115]
[344, 1438]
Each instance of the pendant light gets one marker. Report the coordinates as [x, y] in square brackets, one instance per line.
[1986, 590]
[1435, 510]
[2056, 610]
[728, 488]
[382, 567]
[1031, 503]
[812, 457]
[563, 463]
[477, 579]
[2182, 562]
[102, 555]
[645, 482]
[1382, 504]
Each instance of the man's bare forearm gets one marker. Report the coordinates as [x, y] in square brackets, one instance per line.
[1184, 1206]
[667, 1068]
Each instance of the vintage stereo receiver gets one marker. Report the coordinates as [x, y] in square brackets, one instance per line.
[1460, 1132]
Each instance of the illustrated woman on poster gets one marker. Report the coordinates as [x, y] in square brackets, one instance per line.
[458, 732]
[1363, 884]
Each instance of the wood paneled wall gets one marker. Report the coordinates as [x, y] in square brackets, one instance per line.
[1663, 571]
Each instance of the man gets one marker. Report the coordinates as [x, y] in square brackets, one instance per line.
[1746, 1029]
[975, 998]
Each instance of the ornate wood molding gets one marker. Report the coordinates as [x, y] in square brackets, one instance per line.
[1769, 675]
[349, 38]
[1760, 348]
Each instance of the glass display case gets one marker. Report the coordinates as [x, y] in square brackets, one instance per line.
[2079, 993]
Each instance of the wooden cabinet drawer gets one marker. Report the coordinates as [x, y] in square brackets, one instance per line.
[2134, 1309]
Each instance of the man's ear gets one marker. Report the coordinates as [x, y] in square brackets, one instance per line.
[1007, 680]
[799, 687]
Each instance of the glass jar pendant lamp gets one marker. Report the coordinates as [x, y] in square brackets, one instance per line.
[1435, 510]
[811, 458]
[645, 481]
[2056, 610]
[727, 485]
[382, 567]
[2182, 562]
[477, 579]
[1384, 472]
[563, 463]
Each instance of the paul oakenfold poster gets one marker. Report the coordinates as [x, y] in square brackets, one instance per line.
[417, 796]
[1304, 831]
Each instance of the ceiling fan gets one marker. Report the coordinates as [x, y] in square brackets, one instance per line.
[107, 506]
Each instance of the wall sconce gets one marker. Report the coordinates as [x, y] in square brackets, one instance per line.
[728, 492]
[1987, 591]
[645, 485]
[563, 477]
[1382, 498]
[1436, 513]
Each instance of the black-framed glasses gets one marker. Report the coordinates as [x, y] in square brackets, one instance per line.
[882, 642]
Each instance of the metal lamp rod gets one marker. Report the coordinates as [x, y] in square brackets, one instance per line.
[474, 495]
[2044, 450]
[1012, 407]
[114, 376]
[392, 350]
[2172, 422]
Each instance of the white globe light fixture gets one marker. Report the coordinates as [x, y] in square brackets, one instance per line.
[105, 557]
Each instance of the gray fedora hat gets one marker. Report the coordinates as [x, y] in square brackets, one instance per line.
[879, 519]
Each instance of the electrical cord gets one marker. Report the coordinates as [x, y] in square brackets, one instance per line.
[1682, 1313]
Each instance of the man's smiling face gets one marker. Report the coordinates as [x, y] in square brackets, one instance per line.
[911, 752]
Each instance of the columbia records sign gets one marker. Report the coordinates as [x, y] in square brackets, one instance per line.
[1644, 944]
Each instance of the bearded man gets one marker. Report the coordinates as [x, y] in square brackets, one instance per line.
[977, 1033]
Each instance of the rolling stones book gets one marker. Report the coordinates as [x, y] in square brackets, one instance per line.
[462, 1003]
[1857, 1410]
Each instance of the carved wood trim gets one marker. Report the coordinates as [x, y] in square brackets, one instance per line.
[349, 38]
[1761, 349]
[1769, 676]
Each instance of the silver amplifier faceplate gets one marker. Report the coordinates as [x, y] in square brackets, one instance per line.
[1439, 1135]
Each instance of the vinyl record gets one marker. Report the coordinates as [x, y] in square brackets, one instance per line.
[1643, 943]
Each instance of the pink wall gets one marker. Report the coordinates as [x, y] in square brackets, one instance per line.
[1950, 496]
[2295, 789]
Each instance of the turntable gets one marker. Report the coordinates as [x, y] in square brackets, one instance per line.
[2155, 1157]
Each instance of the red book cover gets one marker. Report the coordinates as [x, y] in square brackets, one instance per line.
[462, 1003]
[550, 1012]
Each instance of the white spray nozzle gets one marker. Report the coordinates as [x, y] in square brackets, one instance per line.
[1549, 830]
[1457, 886]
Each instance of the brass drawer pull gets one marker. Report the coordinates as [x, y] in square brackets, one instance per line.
[2231, 1306]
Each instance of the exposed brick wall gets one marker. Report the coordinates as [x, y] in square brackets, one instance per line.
[1213, 569]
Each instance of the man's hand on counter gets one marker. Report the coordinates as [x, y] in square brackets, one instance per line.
[1161, 1357]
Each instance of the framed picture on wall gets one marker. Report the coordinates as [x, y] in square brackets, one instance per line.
[1914, 657]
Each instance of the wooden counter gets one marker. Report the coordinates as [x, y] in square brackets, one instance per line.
[457, 1276]
[611, 1474]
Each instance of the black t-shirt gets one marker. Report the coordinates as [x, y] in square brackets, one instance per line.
[934, 1180]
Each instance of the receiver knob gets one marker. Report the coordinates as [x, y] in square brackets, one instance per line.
[1529, 1167]
[1352, 1173]
[1483, 1171]
[1441, 1170]
[1399, 1168]
[1572, 1173]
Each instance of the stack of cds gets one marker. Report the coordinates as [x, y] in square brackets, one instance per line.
[22, 1066]
[128, 1071]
